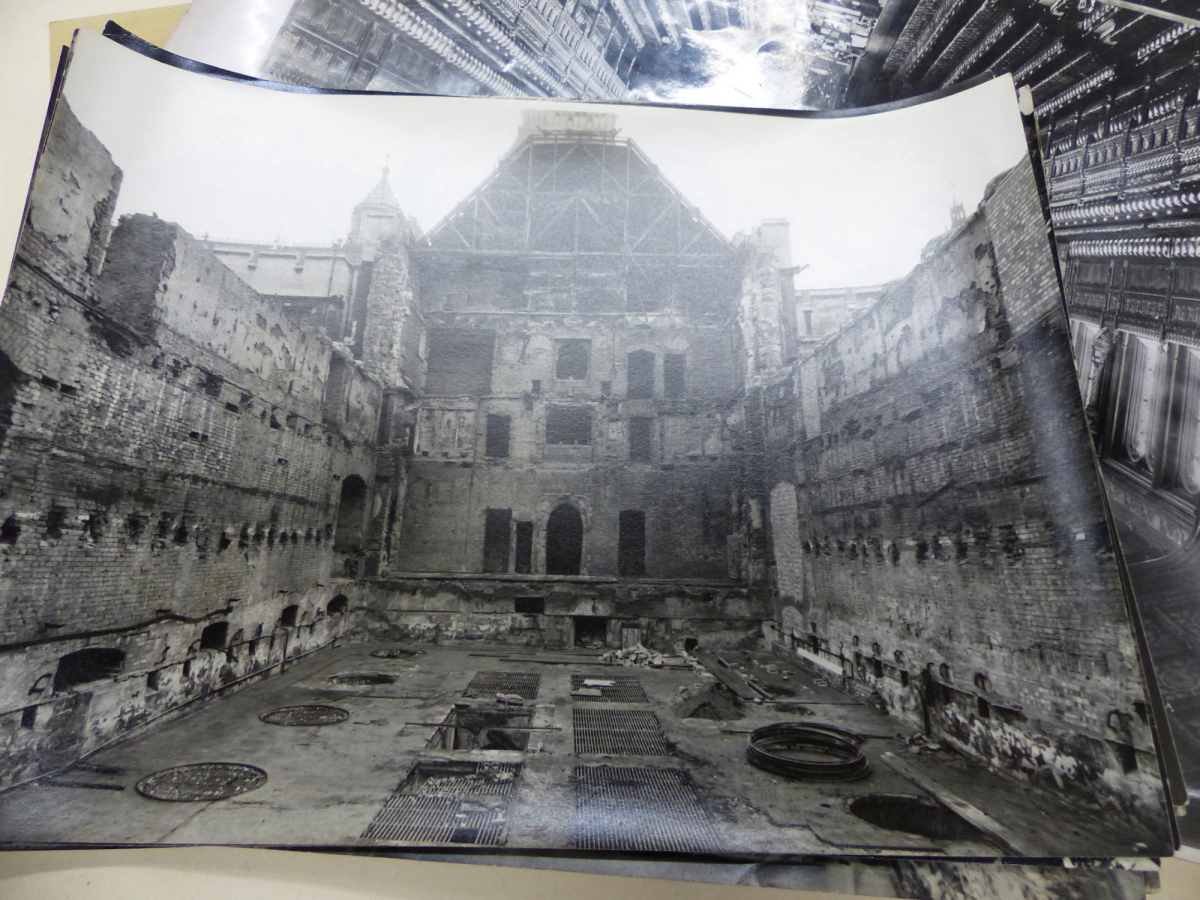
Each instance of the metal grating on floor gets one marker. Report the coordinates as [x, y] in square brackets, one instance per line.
[627, 808]
[462, 779]
[440, 820]
[624, 688]
[619, 732]
[523, 684]
[449, 803]
[201, 781]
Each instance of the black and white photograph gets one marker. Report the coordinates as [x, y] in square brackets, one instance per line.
[1114, 88]
[742, 53]
[474, 473]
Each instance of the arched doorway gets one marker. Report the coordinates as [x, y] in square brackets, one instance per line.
[564, 540]
[352, 508]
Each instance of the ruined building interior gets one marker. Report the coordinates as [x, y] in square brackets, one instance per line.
[1115, 93]
[410, 493]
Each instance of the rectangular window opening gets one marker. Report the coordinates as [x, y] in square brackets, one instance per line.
[674, 375]
[569, 425]
[530, 606]
[496, 531]
[639, 375]
[573, 356]
[496, 443]
[641, 439]
[631, 543]
[523, 565]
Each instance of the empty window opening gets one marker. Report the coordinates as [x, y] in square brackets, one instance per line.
[84, 666]
[591, 632]
[497, 528]
[338, 605]
[213, 636]
[530, 606]
[568, 425]
[674, 375]
[523, 564]
[211, 384]
[641, 440]
[56, 518]
[460, 362]
[287, 619]
[468, 729]
[877, 668]
[10, 531]
[352, 508]
[631, 543]
[572, 359]
[564, 541]
[496, 442]
[536, 387]
[690, 644]
[1125, 753]
[606, 389]
[152, 680]
[640, 375]
[983, 708]
[333, 404]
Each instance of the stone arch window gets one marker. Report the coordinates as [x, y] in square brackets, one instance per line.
[213, 636]
[564, 541]
[338, 605]
[289, 616]
[352, 508]
[84, 666]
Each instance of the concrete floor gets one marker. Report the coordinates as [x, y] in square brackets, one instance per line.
[327, 785]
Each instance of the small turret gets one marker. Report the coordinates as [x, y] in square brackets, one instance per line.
[377, 217]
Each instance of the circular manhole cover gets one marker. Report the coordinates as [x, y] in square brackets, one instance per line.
[305, 715]
[362, 678]
[396, 653]
[202, 781]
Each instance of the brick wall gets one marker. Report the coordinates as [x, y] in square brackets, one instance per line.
[165, 465]
[953, 551]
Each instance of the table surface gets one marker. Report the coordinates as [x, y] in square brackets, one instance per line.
[26, 68]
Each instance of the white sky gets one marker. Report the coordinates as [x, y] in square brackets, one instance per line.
[863, 194]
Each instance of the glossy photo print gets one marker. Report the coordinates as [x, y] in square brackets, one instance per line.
[477, 474]
[1114, 93]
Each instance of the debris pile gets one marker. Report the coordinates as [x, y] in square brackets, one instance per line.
[638, 655]
[713, 701]
[918, 743]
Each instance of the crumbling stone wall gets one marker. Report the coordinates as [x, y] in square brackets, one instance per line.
[495, 609]
[954, 557]
[166, 468]
[685, 484]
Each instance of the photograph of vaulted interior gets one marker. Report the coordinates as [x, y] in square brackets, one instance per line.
[552, 527]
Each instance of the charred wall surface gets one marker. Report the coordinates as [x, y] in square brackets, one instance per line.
[942, 543]
[171, 489]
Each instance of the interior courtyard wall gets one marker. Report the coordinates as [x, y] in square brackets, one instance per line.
[954, 558]
[167, 470]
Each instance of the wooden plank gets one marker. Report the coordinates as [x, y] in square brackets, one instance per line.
[554, 662]
[1008, 839]
[728, 677]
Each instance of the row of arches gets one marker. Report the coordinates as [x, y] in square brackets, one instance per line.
[92, 664]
